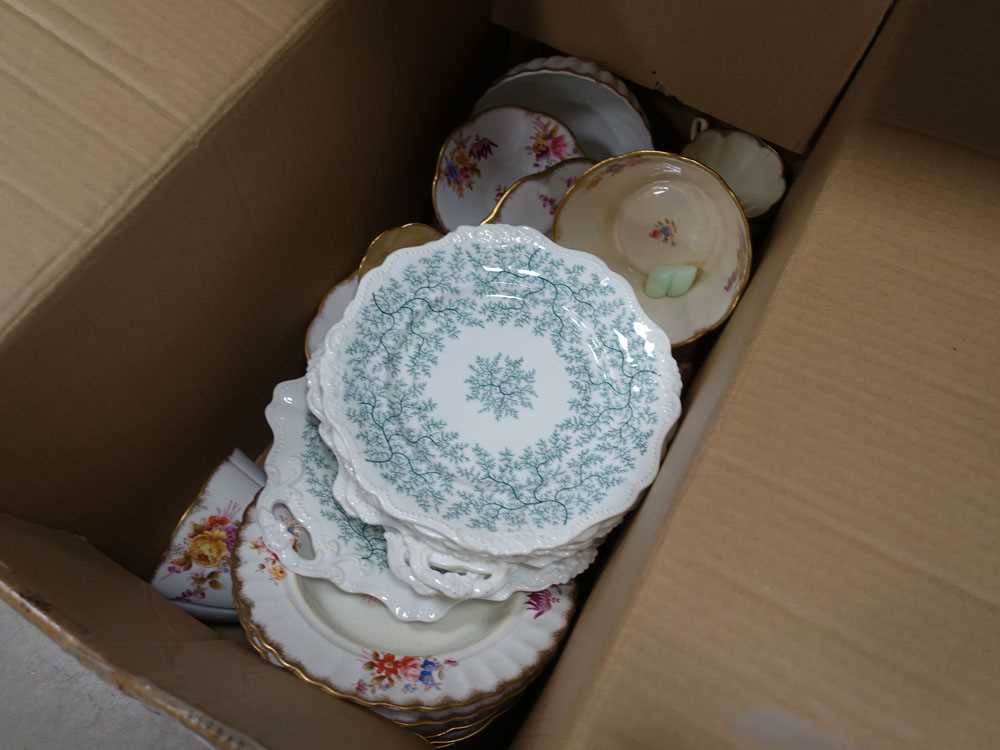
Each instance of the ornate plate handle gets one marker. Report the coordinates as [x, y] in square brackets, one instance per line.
[281, 537]
[451, 576]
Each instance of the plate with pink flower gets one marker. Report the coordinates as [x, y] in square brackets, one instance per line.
[532, 201]
[351, 645]
[481, 159]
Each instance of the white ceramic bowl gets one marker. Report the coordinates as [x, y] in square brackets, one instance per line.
[650, 210]
[751, 168]
[486, 155]
[599, 109]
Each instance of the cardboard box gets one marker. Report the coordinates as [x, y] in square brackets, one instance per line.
[816, 565]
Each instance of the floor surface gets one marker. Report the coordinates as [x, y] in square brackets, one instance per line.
[49, 701]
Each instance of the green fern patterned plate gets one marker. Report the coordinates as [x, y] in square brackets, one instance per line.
[500, 390]
[300, 476]
[481, 653]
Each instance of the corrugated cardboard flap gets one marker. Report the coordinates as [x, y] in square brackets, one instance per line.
[829, 575]
[128, 634]
[773, 68]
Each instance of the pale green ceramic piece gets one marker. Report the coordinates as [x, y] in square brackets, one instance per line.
[670, 281]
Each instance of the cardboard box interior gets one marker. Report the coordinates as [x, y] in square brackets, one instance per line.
[808, 585]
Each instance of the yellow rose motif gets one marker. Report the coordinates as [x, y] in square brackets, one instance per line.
[208, 548]
[277, 571]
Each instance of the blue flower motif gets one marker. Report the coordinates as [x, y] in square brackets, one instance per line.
[501, 385]
[428, 669]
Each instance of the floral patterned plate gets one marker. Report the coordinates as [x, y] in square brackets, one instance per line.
[651, 211]
[359, 651]
[300, 476]
[500, 390]
[194, 571]
[484, 157]
[532, 200]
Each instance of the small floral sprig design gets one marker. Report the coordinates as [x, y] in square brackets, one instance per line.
[206, 548]
[548, 145]
[501, 384]
[461, 163]
[200, 583]
[731, 281]
[270, 564]
[413, 673]
[542, 601]
[548, 203]
[615, 167]
[665, 230]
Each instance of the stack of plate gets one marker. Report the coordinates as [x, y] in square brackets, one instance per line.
[495, 403]
[445, 681]
[479, 417]
[530, 135]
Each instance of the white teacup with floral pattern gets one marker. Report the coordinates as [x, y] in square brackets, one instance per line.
[195, 569]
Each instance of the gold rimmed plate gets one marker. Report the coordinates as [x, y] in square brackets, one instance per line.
[355, 649]
[648, 212]
[532, 200]
[598, 107]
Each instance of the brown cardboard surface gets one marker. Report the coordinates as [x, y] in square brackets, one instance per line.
[828, 577]
[945, 77]
[816, 565]
[97, 99]
[772, 68]
[205, 286]
[132, 637]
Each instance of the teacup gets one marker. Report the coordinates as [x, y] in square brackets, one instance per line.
[194, 571]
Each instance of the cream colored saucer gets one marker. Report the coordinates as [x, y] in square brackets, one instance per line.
[648, 211]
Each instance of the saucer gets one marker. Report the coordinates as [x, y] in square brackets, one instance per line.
[483, 157]
[594, 104]
[651, 211]
[532, 200]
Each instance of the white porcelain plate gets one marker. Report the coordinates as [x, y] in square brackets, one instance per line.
[330, 311]
[428, 562]
[358, 650]
[599, 109]
[484, 157]
[502, 391]
[532, 200]
[300, 476]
